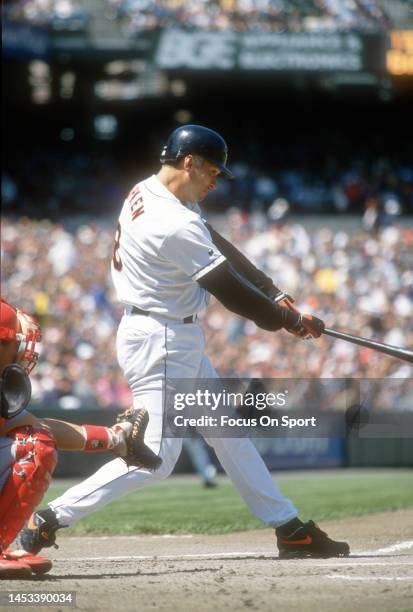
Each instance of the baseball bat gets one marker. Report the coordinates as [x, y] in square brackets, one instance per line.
[393, 351]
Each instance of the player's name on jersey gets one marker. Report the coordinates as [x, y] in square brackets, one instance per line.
[226, 421]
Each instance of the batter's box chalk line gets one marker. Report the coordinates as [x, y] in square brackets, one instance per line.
[392, 548]
[370, 578]
[343, 561]
[388, 549]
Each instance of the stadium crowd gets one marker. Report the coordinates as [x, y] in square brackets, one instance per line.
[251, 15]
[360, 281]
[135, 16]
[60, 183]
[54, 14]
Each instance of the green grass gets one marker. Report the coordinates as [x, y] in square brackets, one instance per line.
[176, 506]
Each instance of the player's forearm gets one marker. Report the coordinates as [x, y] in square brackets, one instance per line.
[240, 296]
[68, 436]
[243, 265]
[87, 437]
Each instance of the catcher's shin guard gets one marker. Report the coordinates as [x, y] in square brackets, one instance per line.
[30, 476]
[310, 541]
[40, 531]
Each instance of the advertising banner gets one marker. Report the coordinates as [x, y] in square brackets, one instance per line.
[278, 52]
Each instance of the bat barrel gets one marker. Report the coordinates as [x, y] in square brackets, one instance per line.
[393, 351]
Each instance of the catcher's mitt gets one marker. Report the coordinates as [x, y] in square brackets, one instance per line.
[138, 453]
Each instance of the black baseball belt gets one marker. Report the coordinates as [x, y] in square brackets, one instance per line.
[146, 313]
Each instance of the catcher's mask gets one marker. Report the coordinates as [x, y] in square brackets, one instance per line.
[22, 329]
[15, 391]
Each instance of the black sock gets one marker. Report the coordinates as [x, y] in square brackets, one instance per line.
[289, 528]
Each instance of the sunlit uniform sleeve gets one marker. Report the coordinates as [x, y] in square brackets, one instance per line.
[190, 247]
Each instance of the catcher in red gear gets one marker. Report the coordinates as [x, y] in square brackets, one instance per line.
[28, 445]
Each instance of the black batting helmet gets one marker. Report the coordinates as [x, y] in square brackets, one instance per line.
[200, 141]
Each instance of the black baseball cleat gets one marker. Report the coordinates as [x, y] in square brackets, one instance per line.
[309, 541]
[40, 531]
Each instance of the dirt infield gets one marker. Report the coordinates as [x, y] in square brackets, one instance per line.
[235, 572]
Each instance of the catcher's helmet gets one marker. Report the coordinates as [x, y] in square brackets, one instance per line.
[23, 330]
[200, 141]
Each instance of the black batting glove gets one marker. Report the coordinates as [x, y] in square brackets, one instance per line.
[307, 327]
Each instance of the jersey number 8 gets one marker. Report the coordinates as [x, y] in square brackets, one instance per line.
[116, 260]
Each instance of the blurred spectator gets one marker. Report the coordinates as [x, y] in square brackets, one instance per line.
[55, 14]
[250, 15]
[54, 183]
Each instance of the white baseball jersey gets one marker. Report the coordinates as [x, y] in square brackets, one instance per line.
[162, 248]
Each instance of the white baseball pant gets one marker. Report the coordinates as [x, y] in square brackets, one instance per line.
[150, 351]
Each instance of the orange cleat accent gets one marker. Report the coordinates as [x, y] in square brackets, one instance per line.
[310, 541]
[307, 540]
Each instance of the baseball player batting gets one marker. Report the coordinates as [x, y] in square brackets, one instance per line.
[28, 445]
[166, 263]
